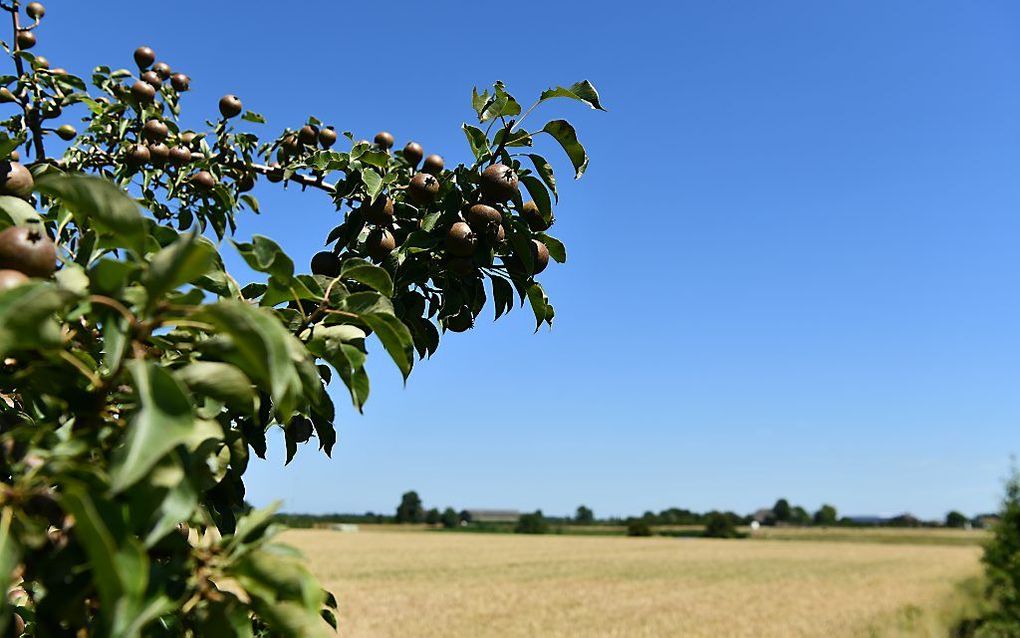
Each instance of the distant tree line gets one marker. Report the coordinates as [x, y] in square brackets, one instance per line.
[720, 524]
[411, 510]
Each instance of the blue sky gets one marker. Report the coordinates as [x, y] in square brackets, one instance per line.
[794, 260]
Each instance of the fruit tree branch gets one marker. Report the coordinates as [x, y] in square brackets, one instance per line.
[304, 180]
[32, 116]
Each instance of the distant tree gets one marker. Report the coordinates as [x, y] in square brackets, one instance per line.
[464, 516]
[826, 515]
[782, 510]
[800, 516]
[449, 518]
[638, 527]
[720, 525]
[432, 516]
[584, 515]
[410, 509]
[533, 523]
[955, 519]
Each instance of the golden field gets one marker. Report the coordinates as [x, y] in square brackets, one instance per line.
[461, 584]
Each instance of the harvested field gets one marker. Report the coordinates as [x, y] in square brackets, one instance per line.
[449, 584]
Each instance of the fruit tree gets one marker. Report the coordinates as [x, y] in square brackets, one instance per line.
[137, 376]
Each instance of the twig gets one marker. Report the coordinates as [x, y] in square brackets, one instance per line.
[116, 305]
[81, 367]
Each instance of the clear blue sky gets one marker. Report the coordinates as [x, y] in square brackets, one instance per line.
[794, 260]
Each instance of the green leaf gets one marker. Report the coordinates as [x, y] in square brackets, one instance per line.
[7, 145]
[343, 347]
[251, 116]
[262, 348]
[27, 316]
[132, 625]
[183, 261]
[395, 337]
[520, 242]
[252, 202]
[98, 203]
[476, 139]
[372, 276]
[501, 104]
[281, 290]
[286, 618]
[366, 303]
[379, 159]
[164, 420]
[10, 552]
[502, 296]
[277, 573]
[540, 195]
[583, 91]
[251, 527]
[516, 138]
[539, 304]
[479, 101]
[118, 561]
[545, 171]
[425, 334]
[119, 564]
[373, 183]
[116, 340]
[565, 134]
[265, 255]
[73, 279]
[376, 311]
[323, 419]
[180, 496]
[220, 381]
[15, 211]
[556, 248]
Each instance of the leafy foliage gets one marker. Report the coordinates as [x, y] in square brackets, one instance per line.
[136, 382]
[956, 519]
[449, 518]
[410, 509]
[720, 525]
[782, 511]
[1002, 572]
[638, 527]
[826, 515]
[533, 523]
[584, 515]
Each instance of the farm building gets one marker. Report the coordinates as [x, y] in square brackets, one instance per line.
[493, 516]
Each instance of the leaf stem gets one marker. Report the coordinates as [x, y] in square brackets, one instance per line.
[526, 114]
[116, 305]
[81, 367]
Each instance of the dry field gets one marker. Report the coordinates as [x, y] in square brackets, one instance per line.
[907, 536]
[454, 584]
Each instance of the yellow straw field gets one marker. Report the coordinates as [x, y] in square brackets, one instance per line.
[455, 584]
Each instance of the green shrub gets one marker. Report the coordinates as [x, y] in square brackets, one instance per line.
[1002, 573]
[719, 525]
[534, 523]
[449, 518]
[638, 527]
